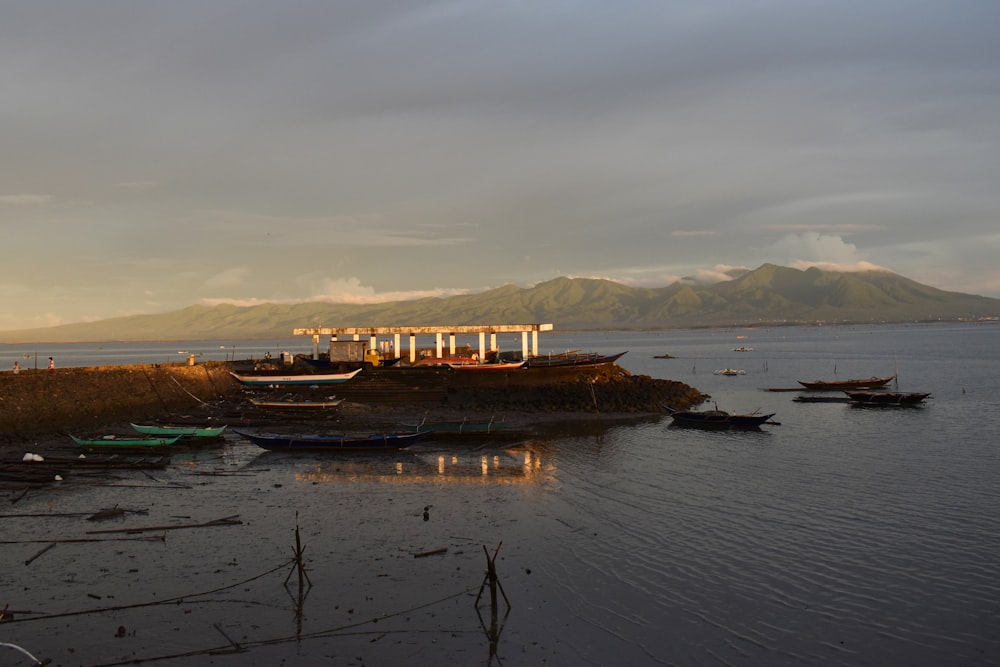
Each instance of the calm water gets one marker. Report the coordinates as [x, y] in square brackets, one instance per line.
[844, 536]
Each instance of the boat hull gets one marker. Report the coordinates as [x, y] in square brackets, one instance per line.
[887, 397]
[388, 442]
[305, 379]
[717, 419]
[166, 431]
[844, 385]
[125, 442]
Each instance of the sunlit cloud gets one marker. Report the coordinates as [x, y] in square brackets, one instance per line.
[839, 267]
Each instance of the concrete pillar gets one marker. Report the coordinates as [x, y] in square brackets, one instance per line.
[451, 344]
[534, 343]
[438, 344]
[524, 344]
[493, 341]
[482, 345]
[413, 348]
[315, 346]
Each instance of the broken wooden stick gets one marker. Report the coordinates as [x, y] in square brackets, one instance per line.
[225, 521]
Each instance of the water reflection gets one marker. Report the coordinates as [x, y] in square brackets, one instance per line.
[516, 465]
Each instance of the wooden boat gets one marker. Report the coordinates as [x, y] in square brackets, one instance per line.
[887, 397]
[332, 443]
[572, 359]
[302, 379]
[163, 431]
[493, 366]
[717, 419]
[296, 405]
[124, 441]
[730, 371]
[842, 385]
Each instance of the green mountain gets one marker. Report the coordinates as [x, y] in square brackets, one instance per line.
[771, 295]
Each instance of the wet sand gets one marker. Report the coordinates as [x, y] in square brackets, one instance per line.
[200, 566]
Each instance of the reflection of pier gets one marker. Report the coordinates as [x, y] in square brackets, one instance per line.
[513, 466]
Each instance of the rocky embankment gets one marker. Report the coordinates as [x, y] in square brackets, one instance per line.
[87, 400]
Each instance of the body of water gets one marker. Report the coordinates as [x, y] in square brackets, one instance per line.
[842, 536]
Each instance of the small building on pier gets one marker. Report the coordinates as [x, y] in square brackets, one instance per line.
[444, 337]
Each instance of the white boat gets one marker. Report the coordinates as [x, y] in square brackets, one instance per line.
[730, 371]
[303, 379]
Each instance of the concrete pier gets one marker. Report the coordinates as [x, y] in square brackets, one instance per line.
[529, 336]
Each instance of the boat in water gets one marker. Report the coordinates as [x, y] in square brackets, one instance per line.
[887, 397]
[301, 379]
[843, 385]
[717, 419]
[385, 442]
[730, 371]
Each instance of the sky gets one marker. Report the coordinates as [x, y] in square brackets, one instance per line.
[157, 155]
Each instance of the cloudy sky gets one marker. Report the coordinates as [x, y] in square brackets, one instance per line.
[161, 154]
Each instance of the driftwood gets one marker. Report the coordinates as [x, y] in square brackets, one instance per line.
[28, 562]
[225, 521]
[432, 552]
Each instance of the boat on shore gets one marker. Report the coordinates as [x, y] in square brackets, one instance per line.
[717, 419]
[490, 366]
[887, 397]
[301, 379]
[125, 442]
[332, 443]
[168, 430]
[843, 385]
[573, 358]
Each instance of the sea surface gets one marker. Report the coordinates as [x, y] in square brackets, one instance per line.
[839, 536]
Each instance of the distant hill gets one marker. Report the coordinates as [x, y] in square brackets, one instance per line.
[772, 295]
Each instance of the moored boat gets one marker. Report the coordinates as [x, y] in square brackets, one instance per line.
[125, 441]
[887, 397]
[165, 430]
[730, 371]
[717, 419]
[301, 379]
[842, 385]
[332, 443]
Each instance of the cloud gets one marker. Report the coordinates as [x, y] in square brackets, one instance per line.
[25, 200]
[835, 266]
[816, 247]
[229, 278]
[339, 290]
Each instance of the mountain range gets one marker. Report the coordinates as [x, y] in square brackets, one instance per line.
[768, 295]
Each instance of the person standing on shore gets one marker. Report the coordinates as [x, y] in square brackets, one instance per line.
[52, 365]
[17, 367]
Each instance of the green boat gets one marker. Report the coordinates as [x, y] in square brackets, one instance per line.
[166, 431]
[124, 441]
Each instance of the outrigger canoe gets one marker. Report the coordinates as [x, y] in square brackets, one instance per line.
[302, 379]
[124, 441]
[165, 431]
[332, 443]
